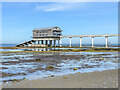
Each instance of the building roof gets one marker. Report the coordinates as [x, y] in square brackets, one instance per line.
[46, 28]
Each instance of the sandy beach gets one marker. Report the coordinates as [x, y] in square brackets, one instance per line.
[104, 79]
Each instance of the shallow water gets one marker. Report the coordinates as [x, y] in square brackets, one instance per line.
[35, 65]
[48, 49]
[37, 49]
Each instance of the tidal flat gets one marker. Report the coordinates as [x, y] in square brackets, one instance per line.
[33, 64]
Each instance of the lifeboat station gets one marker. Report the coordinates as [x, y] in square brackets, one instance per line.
[44, 37]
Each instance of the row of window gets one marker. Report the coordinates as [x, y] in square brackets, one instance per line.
[57, 31]
[47, 34]
[42, 32]
[56, 34]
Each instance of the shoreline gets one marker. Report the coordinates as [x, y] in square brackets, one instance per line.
[52, 51]
[76, 49]
[55, 47]
[97, 79]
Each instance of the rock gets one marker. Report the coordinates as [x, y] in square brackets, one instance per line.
[74, 69]
[51, 76]
[37, 59]
[50, 67]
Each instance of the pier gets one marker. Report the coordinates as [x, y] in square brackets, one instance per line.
[92, 37]
[47, 37]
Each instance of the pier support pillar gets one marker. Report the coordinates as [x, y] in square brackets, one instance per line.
[60, 42]
[35, 42]
[70, 41]
[80, 41]
[50, 43]
[92, 41]
[46, 42]
[38, 42]
[42, 42]
[54, 43]
[106, 41]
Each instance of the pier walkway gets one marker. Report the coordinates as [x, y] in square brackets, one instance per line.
[32, 42]
[82, 36]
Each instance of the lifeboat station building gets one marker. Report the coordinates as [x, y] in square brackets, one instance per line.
[46, 36]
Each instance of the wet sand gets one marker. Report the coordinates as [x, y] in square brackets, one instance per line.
[104, 79]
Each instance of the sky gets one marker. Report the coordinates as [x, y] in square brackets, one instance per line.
[74, 18]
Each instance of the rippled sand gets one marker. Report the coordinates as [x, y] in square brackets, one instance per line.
[104, 79]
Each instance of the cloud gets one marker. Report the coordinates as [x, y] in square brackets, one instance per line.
[58, 6]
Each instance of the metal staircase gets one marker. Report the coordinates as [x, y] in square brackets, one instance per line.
[25, 43]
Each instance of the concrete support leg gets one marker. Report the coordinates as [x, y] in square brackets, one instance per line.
[106, 41]
[54, 43]
[42, 42]
[70, 41]
[60, 42]
[35, 42]
[50, 43]
[80, 41]
[38, 42]
[46, 42]
[92, 41]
